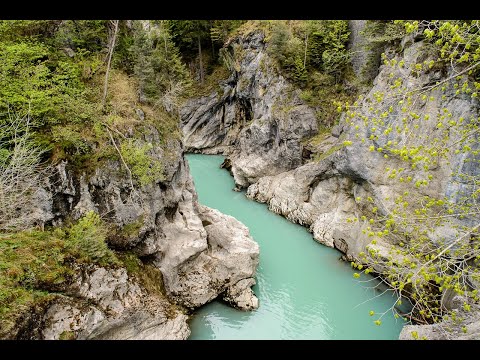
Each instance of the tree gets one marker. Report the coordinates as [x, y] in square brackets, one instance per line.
[189, 34]
[301, 47]
[420, 132]
[111, 47]
[21, 172]
[220, 30]
[163, 77]
[328, 46]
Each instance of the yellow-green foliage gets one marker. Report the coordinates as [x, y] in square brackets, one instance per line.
[144, 167]
[418, 268]
[383, 31]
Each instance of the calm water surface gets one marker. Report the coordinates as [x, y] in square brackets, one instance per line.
[305, 291]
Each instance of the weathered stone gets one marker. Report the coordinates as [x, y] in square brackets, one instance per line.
[110, 305]
[241, 296]
[467, 329]
[322, 194]
[85, 203]
[161, 220]
[365, 55]
[231, 256]
[256, 119]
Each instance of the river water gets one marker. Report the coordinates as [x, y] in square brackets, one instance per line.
[305, 290]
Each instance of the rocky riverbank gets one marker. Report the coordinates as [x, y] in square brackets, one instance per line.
[259, 123]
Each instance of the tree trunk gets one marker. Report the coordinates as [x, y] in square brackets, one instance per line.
[165, 38]
[305, 56]
[110, 53]
[200, 59]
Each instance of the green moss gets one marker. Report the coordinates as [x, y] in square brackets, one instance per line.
[252, 26]
[145, 168]
[67, 335]
[131, 262]
[132, 229]
[166, 125]
[149, 276]
[32, 263]
[326, 154]
[211, 83]
[86, 239]
[323, 133]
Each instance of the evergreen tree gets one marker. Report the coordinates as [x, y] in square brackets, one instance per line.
[190, 35]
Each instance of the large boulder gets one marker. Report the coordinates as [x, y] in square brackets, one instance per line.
[227, 267]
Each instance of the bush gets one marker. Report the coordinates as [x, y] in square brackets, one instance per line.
[33, 83]
[86, 239]
[302, 47]
[144, 167]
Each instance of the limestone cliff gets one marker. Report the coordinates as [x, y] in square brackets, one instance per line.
[201, 254]
[263, 145]
[257, 119]
[322, 194]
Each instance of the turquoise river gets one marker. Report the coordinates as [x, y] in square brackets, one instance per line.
[305, 290]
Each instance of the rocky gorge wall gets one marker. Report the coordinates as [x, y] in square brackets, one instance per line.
[257, 119]
[193, 254]
[264, 153]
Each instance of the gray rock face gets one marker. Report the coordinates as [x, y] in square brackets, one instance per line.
[108, 304]
[258, 120]
[323, 195]
[228, 264]
[365, 59]
[201, 253]
[356, 45]
[317, 196]
[468, 329]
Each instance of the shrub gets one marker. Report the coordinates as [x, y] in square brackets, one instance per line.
[144, 167]
[86, 239]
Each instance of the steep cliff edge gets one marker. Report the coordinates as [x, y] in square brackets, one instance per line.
[257, 119]
[328, 194]
[344, 174]
[197, 253]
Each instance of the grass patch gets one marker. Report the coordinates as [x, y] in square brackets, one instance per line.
[211, 82]
[88, 147]
[322, 156]
[149, 276]
[67, 335]
[131, 262]
[321, 92]
[132, 229]
[34, 265]
[86, 241]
